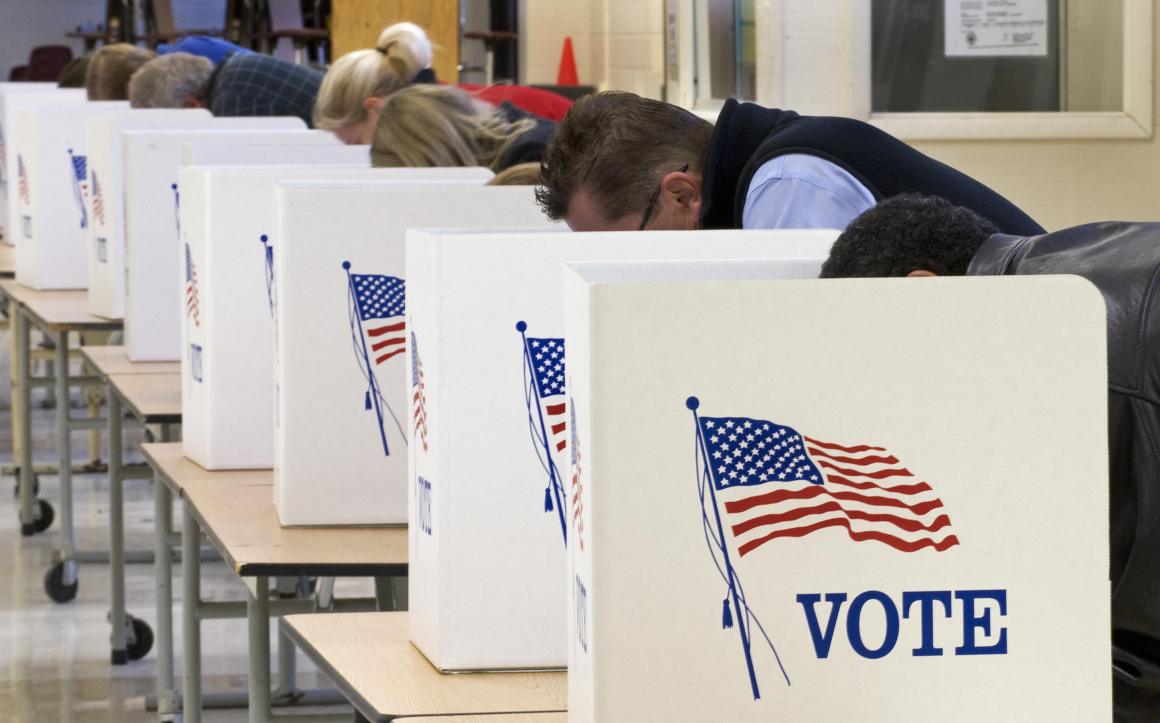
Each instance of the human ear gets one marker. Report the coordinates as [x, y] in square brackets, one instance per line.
[920, 274]
[685, 189]
[373, 104]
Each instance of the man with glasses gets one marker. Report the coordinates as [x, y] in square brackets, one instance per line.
[623, 162]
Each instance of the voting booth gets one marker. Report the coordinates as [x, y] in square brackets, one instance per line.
[273, 154]
[153, 284]
[343, 402]
[50, 143]
[106, 250]
[493, 445]
[838, 500]
[12, 96]
[228, 241]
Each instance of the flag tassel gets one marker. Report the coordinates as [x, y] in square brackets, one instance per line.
[547, 499]
[726, 615]
[367, 403]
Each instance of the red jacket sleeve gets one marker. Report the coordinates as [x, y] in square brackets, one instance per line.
[543, 103]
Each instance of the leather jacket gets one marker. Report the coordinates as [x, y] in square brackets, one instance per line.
[1123, 261]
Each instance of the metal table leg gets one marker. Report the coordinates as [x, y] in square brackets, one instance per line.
[61, 581]
[21, 406]
[191, 579]
[120, 654]
[258, 613]
[168, 700]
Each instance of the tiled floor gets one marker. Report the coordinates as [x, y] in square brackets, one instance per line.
[54, 659]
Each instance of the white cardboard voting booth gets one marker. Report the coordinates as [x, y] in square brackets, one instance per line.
[488, 472]
[343, 404]
[50, 143]
[273, 154]
[152, 247]
[228, 215]
[107, 208]
[879, 500]
[13, 95]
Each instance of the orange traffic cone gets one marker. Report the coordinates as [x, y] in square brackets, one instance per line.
[567, 73]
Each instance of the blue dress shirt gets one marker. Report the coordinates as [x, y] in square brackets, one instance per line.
[798, 190]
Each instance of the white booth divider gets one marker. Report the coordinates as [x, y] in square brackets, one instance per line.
[21, 93]
[272, 154]
[52, 191]
[488, 474]
[343, 405]
[227, 226]
[152, 245]
[875, 499]
[107, 206]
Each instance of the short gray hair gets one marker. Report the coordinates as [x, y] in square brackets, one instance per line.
[170, 81]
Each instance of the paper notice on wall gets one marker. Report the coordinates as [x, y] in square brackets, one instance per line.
[988, 28]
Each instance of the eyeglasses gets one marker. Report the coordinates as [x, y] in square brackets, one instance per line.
[652, 202]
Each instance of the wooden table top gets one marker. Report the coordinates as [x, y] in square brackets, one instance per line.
[151, 398]
[106, 360]
[236, 510]
[7, 261]
[370, 658]
[489, 718]
[57, 311]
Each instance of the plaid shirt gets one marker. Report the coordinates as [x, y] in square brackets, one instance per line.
[248, 84]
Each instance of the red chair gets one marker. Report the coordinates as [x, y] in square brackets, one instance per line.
[47, 61]
[18, 73]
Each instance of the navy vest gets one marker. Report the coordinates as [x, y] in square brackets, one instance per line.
[748, 135]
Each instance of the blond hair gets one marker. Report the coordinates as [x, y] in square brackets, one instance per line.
[441, 125]
[402, 50]
[111, 67]
[521, 174]
[171, 81]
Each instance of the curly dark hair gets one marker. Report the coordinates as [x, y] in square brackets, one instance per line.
[906, 233]
[616, 146]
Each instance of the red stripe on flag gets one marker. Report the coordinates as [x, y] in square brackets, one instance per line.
[388, 342]
[379, 331]
[388, 355]
[554, 409]
[905, 523]
[858, 536]
[561, 445]
[879, 474]
[889, 459]
[557, 428]
[771, 498]
[840, 448]
[914, 489]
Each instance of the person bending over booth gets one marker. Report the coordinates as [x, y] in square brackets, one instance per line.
[244, 84]
[917, 236]
[622, 162]
[212, 49]
[110, 68]
[441, 125]
[359, 83]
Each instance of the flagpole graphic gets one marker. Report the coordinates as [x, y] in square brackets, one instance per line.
[269, 254]
[741, 615]
[375, 299]
[544, 379]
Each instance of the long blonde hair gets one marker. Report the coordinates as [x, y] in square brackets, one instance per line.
[402, 50]
[441, 125]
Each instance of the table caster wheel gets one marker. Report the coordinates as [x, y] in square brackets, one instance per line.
[140, 639]
[55, 586]
[35, 484]
[44, 516]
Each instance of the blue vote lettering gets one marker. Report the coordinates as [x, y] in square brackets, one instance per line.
[924, 604]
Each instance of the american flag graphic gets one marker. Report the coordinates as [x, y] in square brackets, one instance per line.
[547, 362]
[3, 155]
[418, 396]
[80, 180]
[22, 180]
[773, 482]
[191, 303]
[577, 483]
[547, 413]
[378, 328]
[98, 200]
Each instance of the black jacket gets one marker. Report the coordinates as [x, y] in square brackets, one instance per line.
[530, 145]
[748, 135]
[1123, 261]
